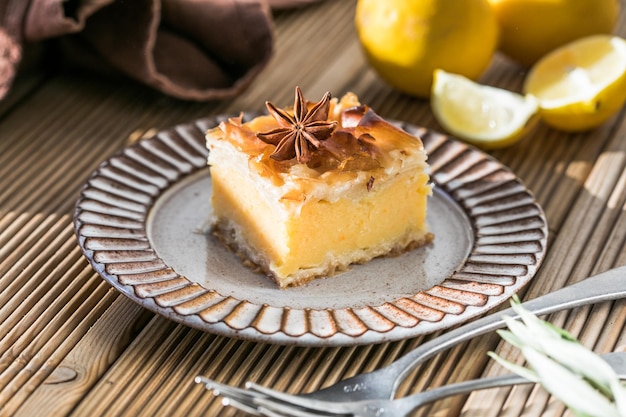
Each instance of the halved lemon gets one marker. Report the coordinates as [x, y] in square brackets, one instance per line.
[582, 84]
[485, 116]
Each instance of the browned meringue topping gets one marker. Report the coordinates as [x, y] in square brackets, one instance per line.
[360, 141]
[301, 133]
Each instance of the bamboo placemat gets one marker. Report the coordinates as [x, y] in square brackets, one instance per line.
[70, 345]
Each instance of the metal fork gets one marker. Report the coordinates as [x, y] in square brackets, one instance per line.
[273, 403]
[394, 408]
[383, 383]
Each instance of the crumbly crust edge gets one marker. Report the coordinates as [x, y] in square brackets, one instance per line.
[228, 234]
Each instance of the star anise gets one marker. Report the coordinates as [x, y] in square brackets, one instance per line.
[301, 133]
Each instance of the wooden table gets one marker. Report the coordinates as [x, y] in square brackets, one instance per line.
[72, 345]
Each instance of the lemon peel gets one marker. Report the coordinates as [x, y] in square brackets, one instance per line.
[582, 84]
[405, 41]
[485, 116]
[529, 29]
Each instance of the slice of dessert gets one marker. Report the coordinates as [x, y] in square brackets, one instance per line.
[305, 192]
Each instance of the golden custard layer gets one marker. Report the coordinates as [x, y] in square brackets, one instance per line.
[362, 194]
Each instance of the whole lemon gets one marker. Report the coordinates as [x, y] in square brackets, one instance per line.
[531, 28]
[406, 40]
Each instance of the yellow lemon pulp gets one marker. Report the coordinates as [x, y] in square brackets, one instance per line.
[531, 28]
[582, 84]
[406, 40]
[485, 116]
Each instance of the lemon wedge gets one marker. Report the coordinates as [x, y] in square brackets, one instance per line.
[582, 84]
[485, 116]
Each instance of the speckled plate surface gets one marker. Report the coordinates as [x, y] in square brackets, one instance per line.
[140, 221]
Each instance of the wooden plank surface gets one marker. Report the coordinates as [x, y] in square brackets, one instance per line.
[72, 346]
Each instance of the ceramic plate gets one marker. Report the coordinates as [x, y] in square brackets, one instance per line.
[141, 222]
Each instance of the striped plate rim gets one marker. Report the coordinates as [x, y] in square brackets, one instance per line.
[509, 225]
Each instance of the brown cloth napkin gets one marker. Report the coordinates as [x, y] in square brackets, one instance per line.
[189, 49]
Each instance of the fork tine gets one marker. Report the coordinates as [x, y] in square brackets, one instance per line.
[242, 406]
[270, 413]
[236, 396]
[299, 401]
[270, 407]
